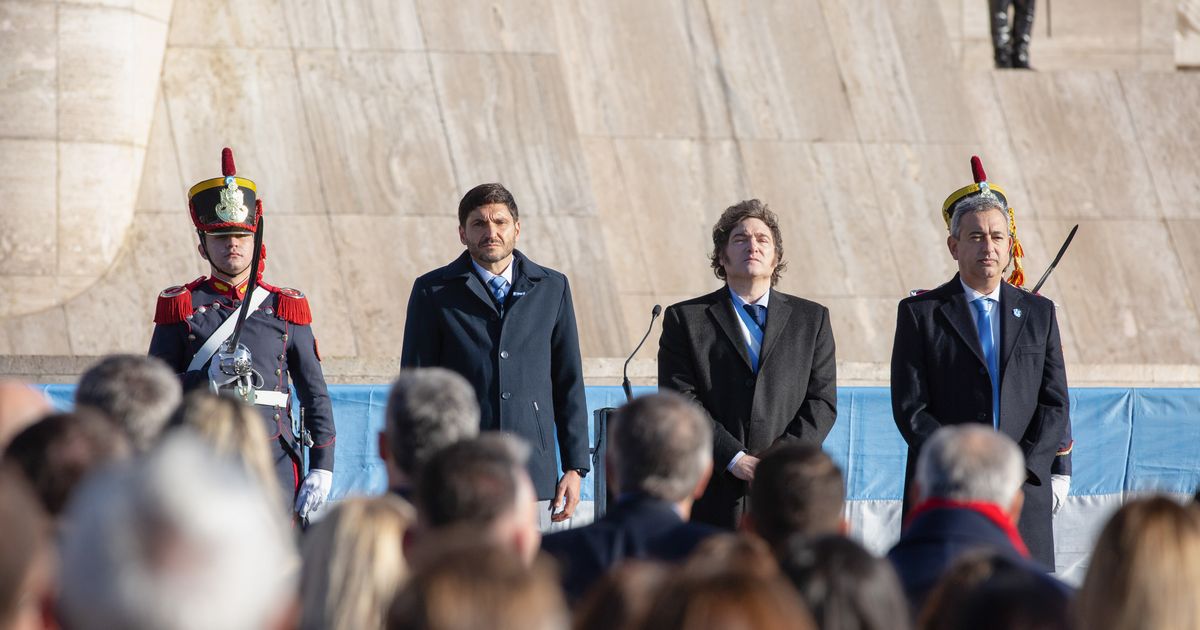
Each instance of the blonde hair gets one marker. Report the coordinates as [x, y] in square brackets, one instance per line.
[232, 429]
[354, 563]
[1145, 570]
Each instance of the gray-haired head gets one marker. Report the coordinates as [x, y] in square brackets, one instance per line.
[139, 393]
[428, 409]
[660, 445]
[970, 462]
[179, 539]
[974, 203]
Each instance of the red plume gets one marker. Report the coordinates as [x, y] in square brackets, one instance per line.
[227, 167]
[977, 169]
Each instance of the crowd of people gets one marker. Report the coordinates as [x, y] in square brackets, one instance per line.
[146, 508]
[187, 489]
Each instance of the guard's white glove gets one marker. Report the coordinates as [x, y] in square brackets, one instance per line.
[1060, 485]
[314, 491]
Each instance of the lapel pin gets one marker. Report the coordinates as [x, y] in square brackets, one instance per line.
[1017, 312]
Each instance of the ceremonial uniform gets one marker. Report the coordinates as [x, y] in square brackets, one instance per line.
[284, 349]
[276, 333]
[1011, 45]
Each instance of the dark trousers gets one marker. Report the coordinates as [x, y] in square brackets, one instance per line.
[1011, 45]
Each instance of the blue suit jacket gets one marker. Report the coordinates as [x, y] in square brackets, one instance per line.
[935, 539]
[524, 361]
[637, 527]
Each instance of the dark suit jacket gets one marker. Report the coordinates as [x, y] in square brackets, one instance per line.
[935, 539]
[703, 356]
[524, 363]
[939, 378]
[637, 527]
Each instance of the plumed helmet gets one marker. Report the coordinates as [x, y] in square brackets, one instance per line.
[226, 204]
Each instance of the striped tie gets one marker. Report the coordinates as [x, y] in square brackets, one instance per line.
[499, 288]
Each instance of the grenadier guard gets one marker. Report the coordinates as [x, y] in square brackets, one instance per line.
[193, 321]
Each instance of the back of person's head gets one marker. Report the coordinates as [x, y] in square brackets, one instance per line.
[970, 462]
[990, 591]
[232, 429]
[56, 453]
[661, 445]
[481, 485]
[797, 489]
[26, 557]
[480, 586]
[1016, 598]
[20, 406]
[428, 409]
[137, 392]
[354, 563]
[1145, 569]
[941, 608]
[730, 599]
[178, 539]
[622, 597]
[719, 552]
[845, 586]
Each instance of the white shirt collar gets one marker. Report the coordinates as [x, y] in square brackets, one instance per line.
[487, 275]
[973, 295]
[738, 301]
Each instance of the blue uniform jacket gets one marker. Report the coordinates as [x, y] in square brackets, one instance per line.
[280, 341]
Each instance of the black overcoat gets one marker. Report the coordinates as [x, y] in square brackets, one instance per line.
[702, 355]
[939, 377]
[523, 360]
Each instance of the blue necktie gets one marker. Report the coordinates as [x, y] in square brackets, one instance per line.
[499, 288]
[983, 322]
[758, 312]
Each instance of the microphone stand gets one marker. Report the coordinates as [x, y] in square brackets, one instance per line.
[625, 370]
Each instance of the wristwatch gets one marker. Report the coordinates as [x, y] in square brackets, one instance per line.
[582, 472]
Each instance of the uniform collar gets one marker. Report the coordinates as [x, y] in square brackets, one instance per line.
[225, 289]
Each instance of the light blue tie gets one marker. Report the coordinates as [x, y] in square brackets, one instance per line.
[499, 288]
[983, 323]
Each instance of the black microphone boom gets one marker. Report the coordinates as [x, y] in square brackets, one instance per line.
[625, 370]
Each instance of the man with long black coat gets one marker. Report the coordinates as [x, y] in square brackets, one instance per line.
[759, 361]
[507, 324]
[978, 349]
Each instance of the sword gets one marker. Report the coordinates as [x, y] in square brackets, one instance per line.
[1061, 250]
[233, 363]
[254, 262]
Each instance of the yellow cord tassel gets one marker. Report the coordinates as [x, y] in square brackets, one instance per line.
[1017, 278]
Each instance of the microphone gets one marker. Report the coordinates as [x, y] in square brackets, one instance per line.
[625, 370]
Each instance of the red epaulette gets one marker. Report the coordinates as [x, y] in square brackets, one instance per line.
[175, 303]
[292, 306]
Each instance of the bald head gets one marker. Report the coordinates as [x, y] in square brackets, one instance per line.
[20, 406]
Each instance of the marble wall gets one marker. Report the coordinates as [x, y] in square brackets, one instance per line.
[624, 128]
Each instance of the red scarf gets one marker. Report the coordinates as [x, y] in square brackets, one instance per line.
[990, 511]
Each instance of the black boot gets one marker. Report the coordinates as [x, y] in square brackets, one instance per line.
[1001, 42]
[1022, 33]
